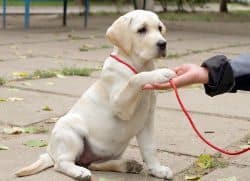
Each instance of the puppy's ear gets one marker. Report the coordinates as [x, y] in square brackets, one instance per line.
[164, 30]
[119, 34]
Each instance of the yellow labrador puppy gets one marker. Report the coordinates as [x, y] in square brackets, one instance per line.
[96, 131]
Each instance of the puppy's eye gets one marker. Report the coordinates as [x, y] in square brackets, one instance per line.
[142, 30]
[160, 28]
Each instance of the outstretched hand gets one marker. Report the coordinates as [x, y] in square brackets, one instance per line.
[187, 74]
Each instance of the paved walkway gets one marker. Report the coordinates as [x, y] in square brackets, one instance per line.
[224, 119]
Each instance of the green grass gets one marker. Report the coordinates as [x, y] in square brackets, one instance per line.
[77, 71]
[54, 2]
[2, 81]
[44, 74]
[67, 71]
[234, 16]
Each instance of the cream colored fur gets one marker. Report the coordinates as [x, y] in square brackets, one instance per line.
[115, 108]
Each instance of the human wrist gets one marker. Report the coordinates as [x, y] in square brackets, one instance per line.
[203, 75]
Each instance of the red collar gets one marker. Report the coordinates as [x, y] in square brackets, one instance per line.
[124, 63]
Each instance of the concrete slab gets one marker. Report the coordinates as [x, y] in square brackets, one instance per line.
[196, 100]
[173, 132]
[56, 85]
[234, 50]
[30, 110]
[241, 174]
[243, 159]
[177, 163]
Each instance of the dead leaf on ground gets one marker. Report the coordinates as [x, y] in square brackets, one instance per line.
[13, 130]
[51, 120]
[14, 99]
[34, 130]
[47, 108]
[3, 147]
[205, 161]
[60, 76]
[3, 100]
[20, 74]
[36, 143]
[192, 177]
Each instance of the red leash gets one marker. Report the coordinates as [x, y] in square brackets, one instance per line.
[197, 131]
[186, 113]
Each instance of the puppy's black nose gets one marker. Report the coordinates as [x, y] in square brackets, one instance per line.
[162, 44]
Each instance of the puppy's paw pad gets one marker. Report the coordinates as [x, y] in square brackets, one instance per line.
[84, 176]
[134, 167]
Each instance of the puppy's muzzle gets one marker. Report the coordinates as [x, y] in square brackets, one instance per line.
[162, 44]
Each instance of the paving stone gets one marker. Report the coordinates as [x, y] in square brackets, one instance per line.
[196, 100]
[57, 85]
[234, 50]
[241, 174]
[11, 161]
[174, 133]
[30, 110]
[32, 64]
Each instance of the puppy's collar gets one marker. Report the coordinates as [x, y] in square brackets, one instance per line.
[124, 63]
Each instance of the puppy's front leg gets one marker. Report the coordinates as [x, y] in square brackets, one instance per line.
[124, 100]
[148, 151]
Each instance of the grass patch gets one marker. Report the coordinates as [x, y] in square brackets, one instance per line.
[2, 81]
[67, 71]
[234, 16]
[44, 74]
[209, 164]
[77, 71]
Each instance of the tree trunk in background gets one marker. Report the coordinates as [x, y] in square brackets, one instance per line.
[144, 4]
[223, 6]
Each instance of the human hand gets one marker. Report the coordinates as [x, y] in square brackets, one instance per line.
[186, 74]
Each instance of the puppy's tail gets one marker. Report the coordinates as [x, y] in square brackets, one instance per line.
[44, 161]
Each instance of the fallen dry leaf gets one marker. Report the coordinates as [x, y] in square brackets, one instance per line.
[20, 74]
[3, 100]
[13, 99]
[3, 147]
[36, 143]
[13, 130]
[192, 177]
[205, 161]
[34, 130]
[47, 108]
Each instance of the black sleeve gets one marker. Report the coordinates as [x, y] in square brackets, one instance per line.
[241, 69]
[221, 76]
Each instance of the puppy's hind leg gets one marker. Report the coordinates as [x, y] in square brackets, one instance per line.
[69, 145]
[124, 166]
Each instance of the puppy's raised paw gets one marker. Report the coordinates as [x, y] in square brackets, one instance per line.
[162, 75]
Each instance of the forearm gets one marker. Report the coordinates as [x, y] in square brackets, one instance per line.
[227, 76]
